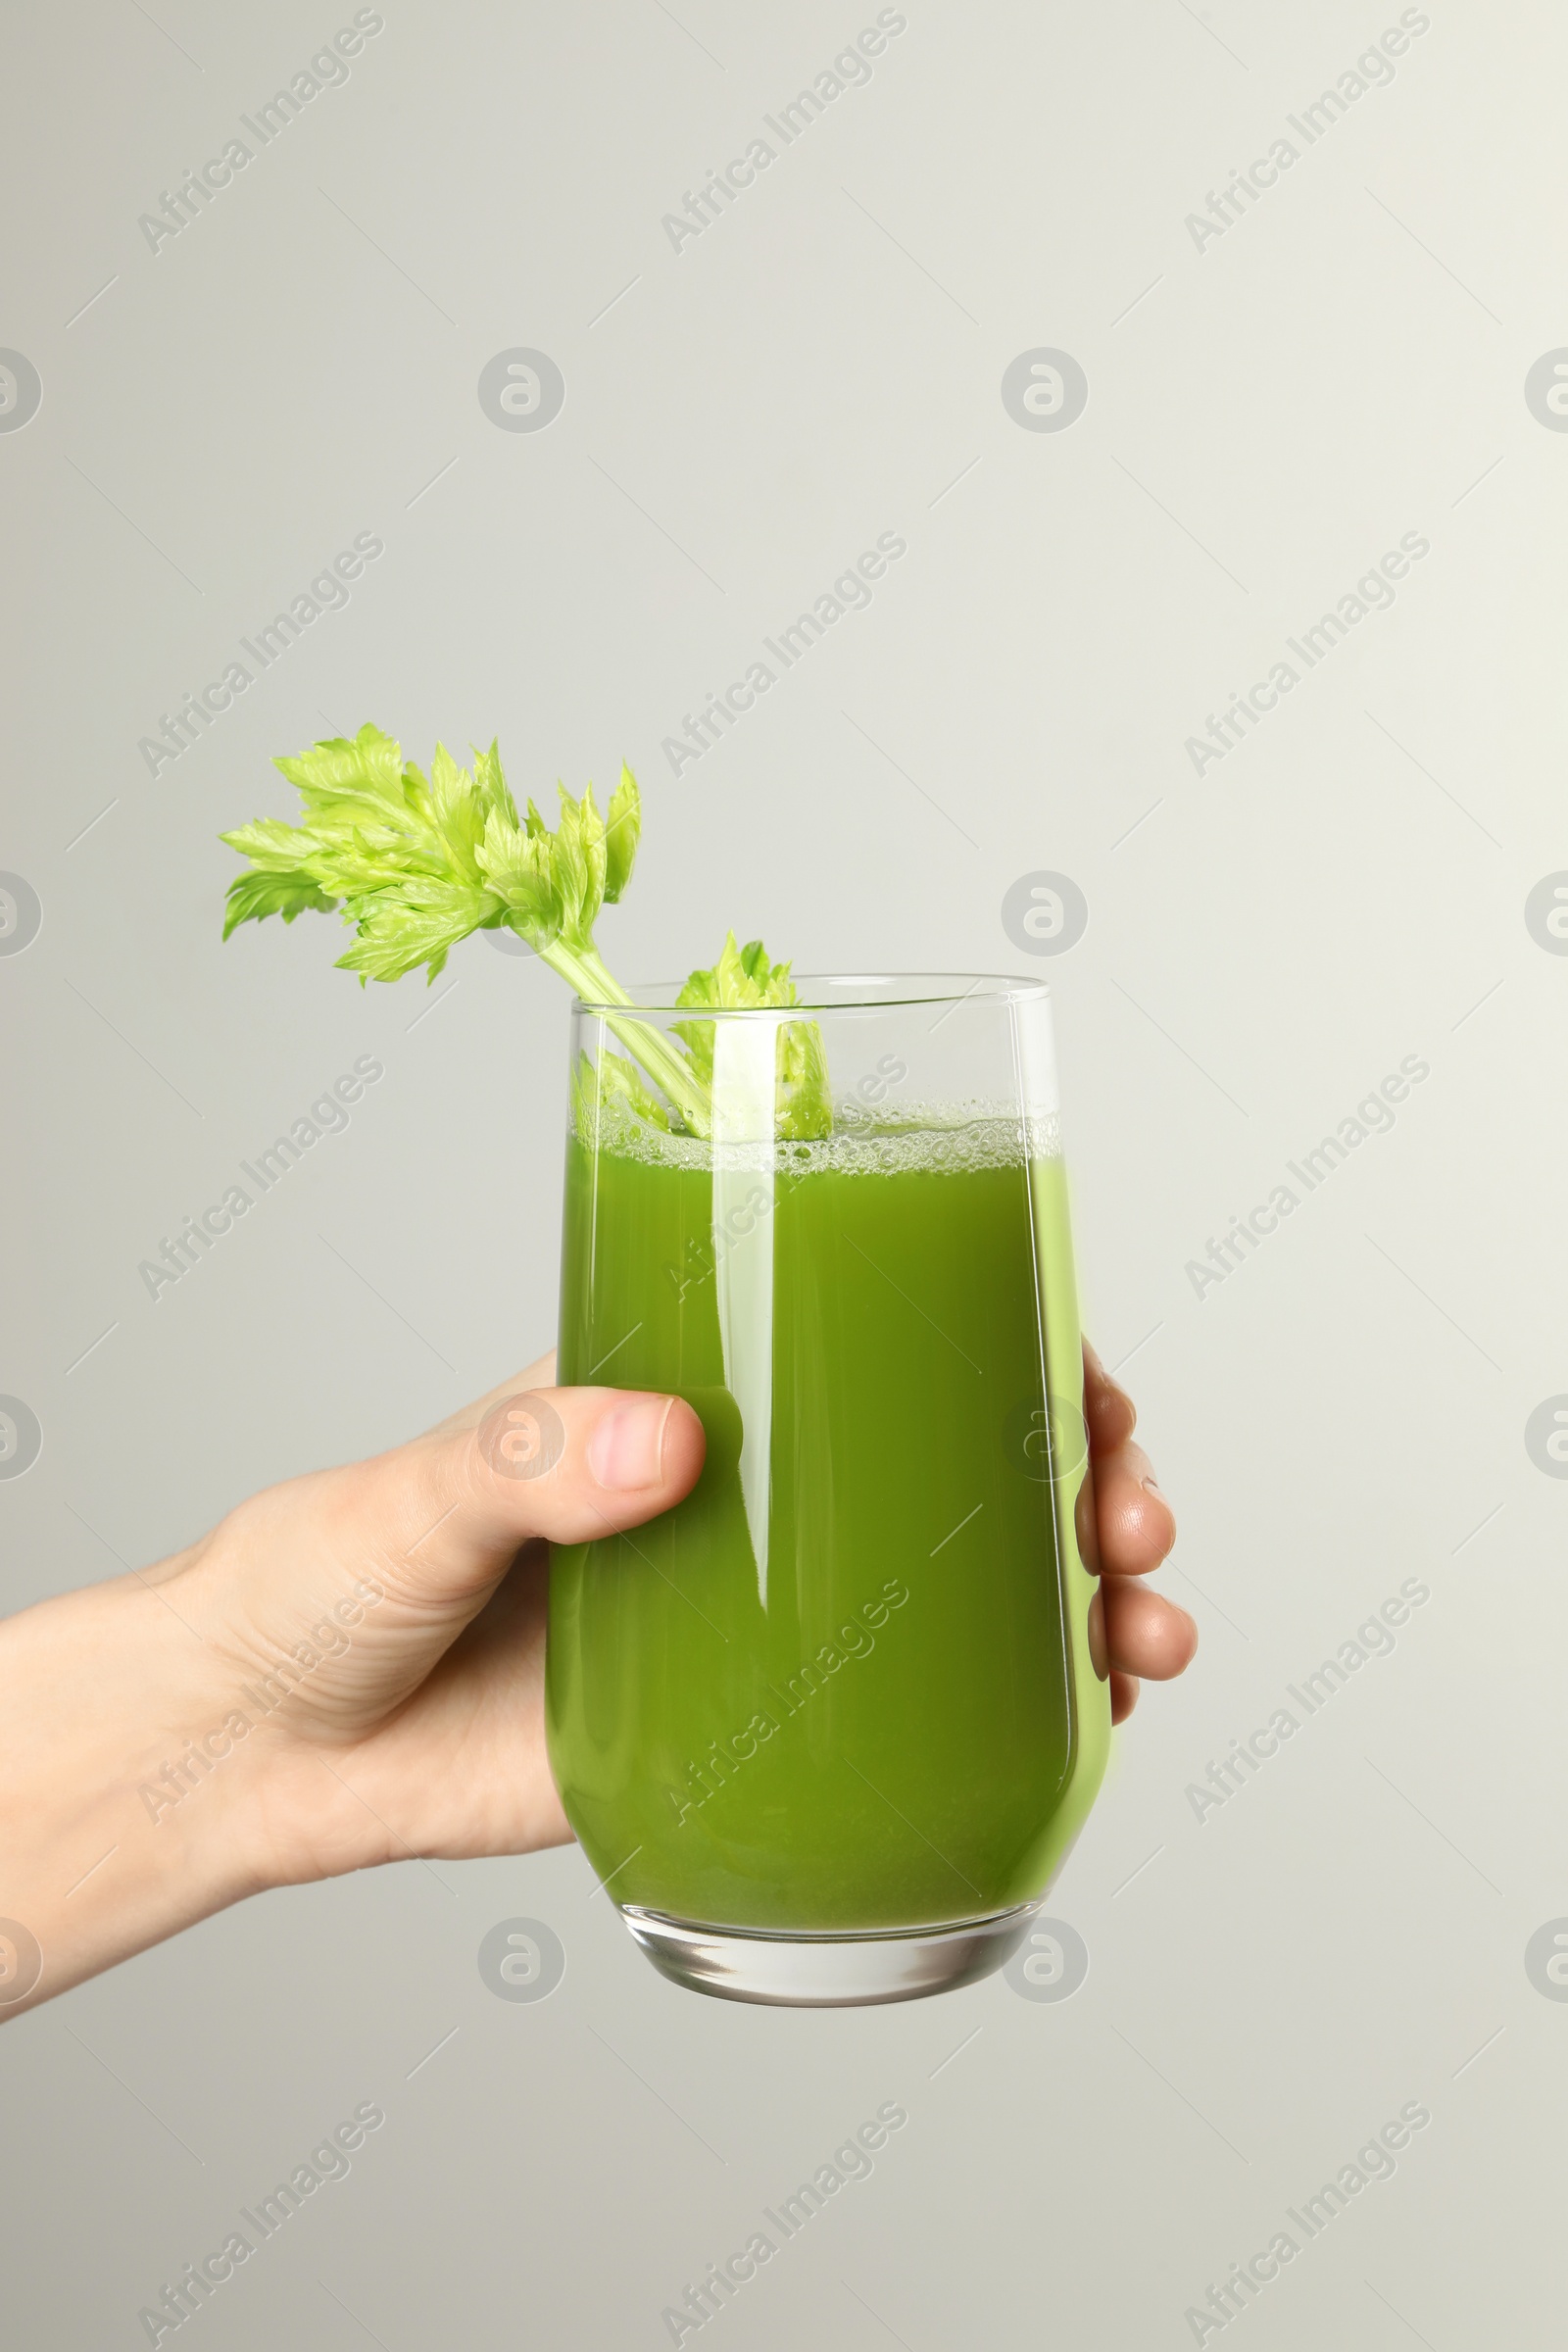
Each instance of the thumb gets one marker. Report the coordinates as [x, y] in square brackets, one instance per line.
[452, 1509]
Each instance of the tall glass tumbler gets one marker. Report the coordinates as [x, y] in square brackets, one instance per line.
[828, 1728]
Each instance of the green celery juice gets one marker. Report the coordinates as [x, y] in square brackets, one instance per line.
[846, 1684]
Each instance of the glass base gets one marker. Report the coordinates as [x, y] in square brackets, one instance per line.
[810, 1971]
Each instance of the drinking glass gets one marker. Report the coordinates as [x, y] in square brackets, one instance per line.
[828, 1728]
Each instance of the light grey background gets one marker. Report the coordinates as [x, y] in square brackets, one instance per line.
[1265, 416]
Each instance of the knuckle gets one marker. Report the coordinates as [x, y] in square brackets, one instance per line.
[523, 1437]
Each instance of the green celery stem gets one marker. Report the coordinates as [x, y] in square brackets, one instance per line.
[581, 969]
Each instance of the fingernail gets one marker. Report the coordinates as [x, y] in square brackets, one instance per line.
[627, 1448]
[1152, 1485]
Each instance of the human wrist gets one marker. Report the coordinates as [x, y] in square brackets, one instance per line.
[105, 1692]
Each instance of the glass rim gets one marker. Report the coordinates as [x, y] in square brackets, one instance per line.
[837, 992]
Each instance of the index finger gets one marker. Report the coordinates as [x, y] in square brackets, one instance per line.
[1108, 1410]
[540, 1374]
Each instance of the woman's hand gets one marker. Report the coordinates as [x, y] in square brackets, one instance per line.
[1146, 1636]
[350, 1670]
[347, 1670]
